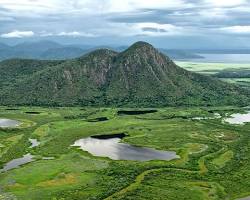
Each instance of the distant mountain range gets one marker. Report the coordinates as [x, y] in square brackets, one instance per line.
[138, 76]
[48, 50]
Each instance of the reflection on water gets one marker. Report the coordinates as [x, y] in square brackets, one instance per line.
[27, 158]
[17, 162]
[238, 118]
[115, 150]
[216, 116]
[34, 143]
[8, 123]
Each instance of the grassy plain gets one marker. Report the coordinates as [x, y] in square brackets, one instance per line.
[214, 163]
[214, 68]
[211, 68]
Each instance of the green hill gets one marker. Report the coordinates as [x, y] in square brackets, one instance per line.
[138, 76]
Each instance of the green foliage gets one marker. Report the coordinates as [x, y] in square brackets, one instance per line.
[140, 76]
[214, 163]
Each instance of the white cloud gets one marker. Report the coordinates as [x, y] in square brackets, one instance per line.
[85, 7]
[94, 18]
[23, 34]
[225, 3]
[31, 5]
[132, 5]
[75, 34]
[18, 34]
[237, 29]
[140, 29]
[213, 13]
[69, 34]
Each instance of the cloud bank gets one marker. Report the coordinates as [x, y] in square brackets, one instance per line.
[155, 20]
[18, 34]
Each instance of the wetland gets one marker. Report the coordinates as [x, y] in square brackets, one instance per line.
[181, 153]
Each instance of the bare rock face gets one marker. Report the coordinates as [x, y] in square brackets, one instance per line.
[139, 76]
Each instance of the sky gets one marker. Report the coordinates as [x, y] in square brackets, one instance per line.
[187, 24]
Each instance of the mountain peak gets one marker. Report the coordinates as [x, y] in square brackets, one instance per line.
[141, 45]
[141, 49]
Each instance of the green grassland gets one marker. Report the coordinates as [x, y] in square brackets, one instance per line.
[213, 165]
[244, 82]
[216, 68]
[211, 68]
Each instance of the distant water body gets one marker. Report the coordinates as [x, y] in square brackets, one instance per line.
[8, 123]
[238, 118]
[222, 58]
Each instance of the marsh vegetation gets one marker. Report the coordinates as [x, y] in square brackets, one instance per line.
[213, 164]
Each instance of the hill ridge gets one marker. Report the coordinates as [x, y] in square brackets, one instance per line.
[138, 76]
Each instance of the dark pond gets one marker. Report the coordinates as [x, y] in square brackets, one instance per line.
[99, 119]
[110, 146]
[8, 123]
[109, 136]
[33, 112]
[135, 112]
[12, 109]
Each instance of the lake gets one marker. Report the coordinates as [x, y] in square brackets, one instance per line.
[238, 118]
[114, 149]
[27, 158]
[222, 58]
[8, 123]
[17, 162]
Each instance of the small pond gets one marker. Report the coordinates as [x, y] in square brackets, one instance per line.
[17, 162]
[238, 118]
[27, 158]
[8, 123]
[135, 112]
[99, 119]
[33, 112]
[10, 109]
[111, 146]
[34, 143]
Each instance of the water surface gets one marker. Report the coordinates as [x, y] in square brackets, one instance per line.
[115, 150]
[34, 143]
[17, 162]
[216, 116]
[8, 123]
[222, 58]
[238, 118]
[27, 158]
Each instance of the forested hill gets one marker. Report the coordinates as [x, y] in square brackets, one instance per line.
[138, 76]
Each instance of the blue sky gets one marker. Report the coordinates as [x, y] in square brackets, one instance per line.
[165, 23]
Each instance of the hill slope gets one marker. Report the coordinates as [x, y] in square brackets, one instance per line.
[139, 76]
